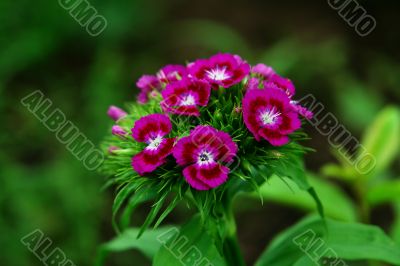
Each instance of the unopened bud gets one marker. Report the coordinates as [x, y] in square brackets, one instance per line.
[111, 149]
[118, 131]
[116, 113]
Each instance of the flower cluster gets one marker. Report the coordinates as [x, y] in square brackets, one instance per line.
[205, 150]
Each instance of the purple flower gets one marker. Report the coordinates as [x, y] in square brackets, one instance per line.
[203, 153]
[252, 83]
[301, 110]
[284, 84]
[172, 73]
[152, 129]
[118, 131]
[183, 97]
[116, 113]
[223, 70]
[263, 71]
[269, 114]
[147, 84]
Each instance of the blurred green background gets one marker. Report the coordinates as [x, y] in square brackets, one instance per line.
[43, 48]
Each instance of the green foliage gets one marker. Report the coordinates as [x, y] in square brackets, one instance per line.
[329, 240]
[382, 140]
[191, 245]
[396, 225]
[148, 244]
[384, 192]
[289, 193]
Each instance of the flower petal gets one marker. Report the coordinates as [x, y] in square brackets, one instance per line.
[283, 83]
[274, 137]
[220, 70]
[290, 123]
[183, 97]
[224, 146]
[172, 73]
[269, 114]
[263, 70]
[185, 151]
[145, 162]
[151, 126]
[149, 159]
[206, 177]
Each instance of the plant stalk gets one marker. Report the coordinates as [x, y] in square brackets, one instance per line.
[232, 252]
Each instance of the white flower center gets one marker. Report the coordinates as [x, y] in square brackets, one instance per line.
[188, 100]
[218, 73]
[205, 157]
[269, 116]
[154, 143]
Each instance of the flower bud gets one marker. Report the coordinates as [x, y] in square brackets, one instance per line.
[111, 149]
[118, 131]
[238, 109]
[116, 113]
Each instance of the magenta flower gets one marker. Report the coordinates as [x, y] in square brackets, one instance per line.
[269, 114]
[262, 70]
[147, 84]
[220, 70]
[172, 73]
[152, 130]
[252, 83]
[301, 110]
[116, 113]
[183, 97]
[284, 84]
[203, 153]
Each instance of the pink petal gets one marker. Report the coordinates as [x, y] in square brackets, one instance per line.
[283, 83]
[207, 176]
[145, 162]
[263, 70]
[185, 151]
[273, 137]
[150, 126]
[149, 160]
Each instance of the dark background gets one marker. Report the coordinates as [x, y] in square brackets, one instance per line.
[43, 48]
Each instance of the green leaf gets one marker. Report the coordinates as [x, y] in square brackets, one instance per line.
[147, 244]
[295, 171]
[121, 197]
[305, 261]
[387, 191]
[395, 230]
[282, 251]
[190, 246]
[319, 239]
[356, 116]
[331, 196]
[345, 173]
[153, 213]
[142, 195]
[381, 139]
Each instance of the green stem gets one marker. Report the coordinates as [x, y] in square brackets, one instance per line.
[232, 252]
[231, 248]
[364, 208]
